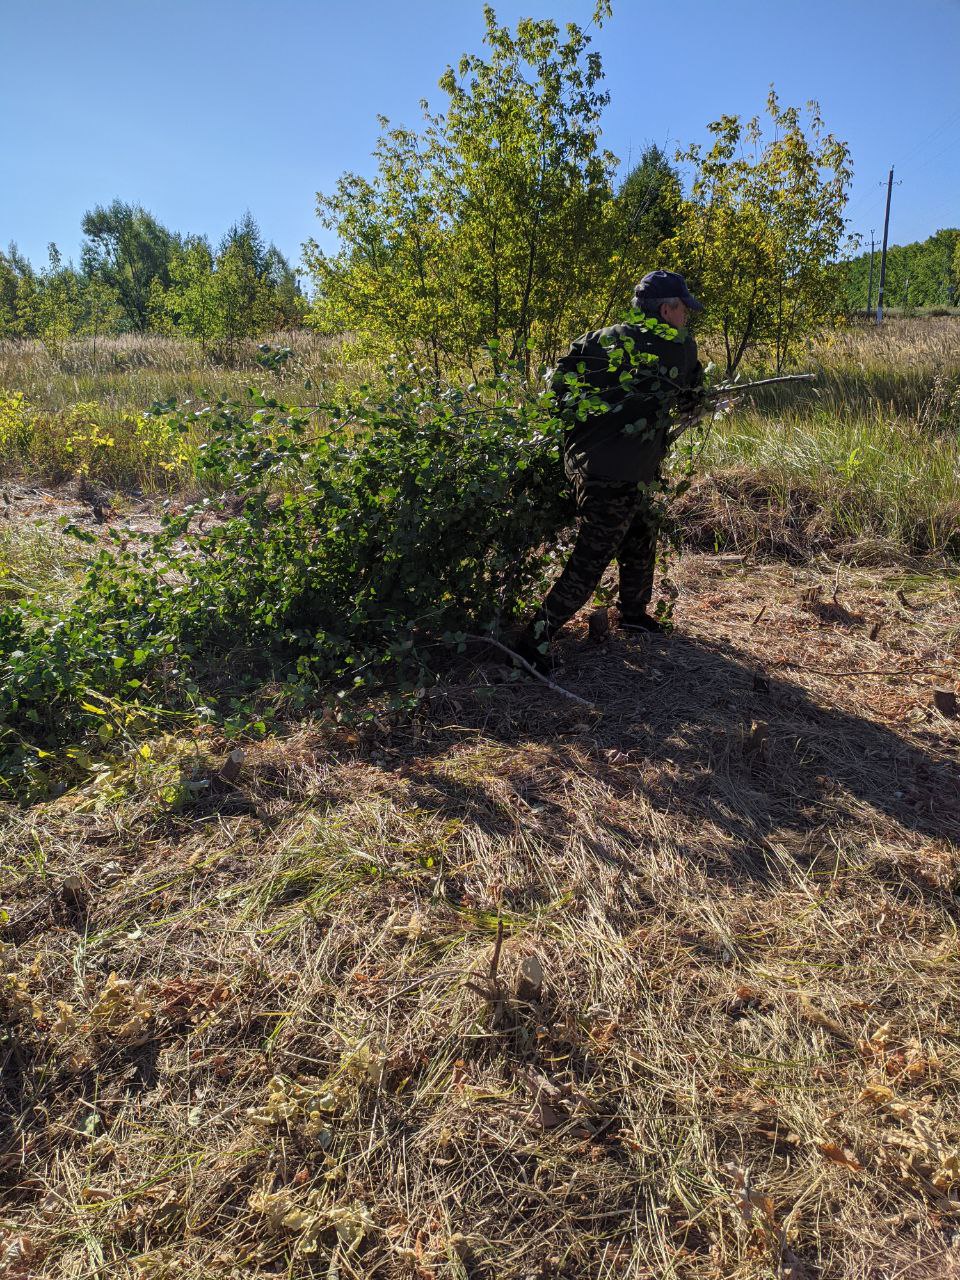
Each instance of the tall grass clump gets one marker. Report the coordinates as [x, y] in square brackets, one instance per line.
[827, 482]
[868, 454]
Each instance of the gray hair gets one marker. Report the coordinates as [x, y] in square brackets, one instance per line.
[651, 306]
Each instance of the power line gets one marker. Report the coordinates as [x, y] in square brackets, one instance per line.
[935, 133]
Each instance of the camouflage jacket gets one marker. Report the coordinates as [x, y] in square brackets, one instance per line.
[617, 387]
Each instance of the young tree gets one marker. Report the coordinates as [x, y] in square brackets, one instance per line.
[10, 277]
[762, 228]
[189, 305]
[18, 288]
[52, 303]
[525, 188]
[494, 224]
[386, 283]
[101, 311]
[128, 249]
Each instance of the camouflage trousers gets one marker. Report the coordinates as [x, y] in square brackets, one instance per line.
[617, 521]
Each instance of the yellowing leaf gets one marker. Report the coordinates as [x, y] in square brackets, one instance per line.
[839, 1156]
[877, 1094]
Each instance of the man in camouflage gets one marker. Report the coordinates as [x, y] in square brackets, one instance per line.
[618, 388]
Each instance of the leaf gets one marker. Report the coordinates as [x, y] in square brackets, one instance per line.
[876, 1094]
[838, 1155]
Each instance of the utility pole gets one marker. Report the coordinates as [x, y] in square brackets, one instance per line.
[883, 253]
[906, 293]
[870, 285]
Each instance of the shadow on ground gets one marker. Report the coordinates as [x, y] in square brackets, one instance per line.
[696, 732]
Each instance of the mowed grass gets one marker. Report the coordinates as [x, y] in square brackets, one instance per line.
[664, 989]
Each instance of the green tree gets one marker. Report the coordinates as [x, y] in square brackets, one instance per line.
[763, 227]
[18, 289]
[646, 218]
[246, 290]
[129, 250]
[494, 224]
[12, 270]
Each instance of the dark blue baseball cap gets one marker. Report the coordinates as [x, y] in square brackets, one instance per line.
[664, 284]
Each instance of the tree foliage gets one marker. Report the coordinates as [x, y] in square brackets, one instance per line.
[497, 223]
[128, 250]
[923, 274]
[763, 224]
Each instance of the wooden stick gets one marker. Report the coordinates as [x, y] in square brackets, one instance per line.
[731, 388]
[532, 670]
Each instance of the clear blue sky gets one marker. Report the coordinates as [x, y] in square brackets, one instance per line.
[201, 109]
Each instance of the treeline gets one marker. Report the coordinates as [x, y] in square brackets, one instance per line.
[136, 276]
[497, 230]
[924, 274]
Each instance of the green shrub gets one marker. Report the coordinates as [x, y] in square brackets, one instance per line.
[359, 552]
[16, 424]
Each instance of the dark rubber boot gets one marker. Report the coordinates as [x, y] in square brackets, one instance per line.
[640, 622]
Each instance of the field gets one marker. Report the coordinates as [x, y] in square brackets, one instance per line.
[820, 456]
[663, 985]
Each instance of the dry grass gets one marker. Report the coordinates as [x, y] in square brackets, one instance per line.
[254, 1027]
[863, 463]
[131, 372]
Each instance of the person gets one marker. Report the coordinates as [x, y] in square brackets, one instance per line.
[618, 387]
